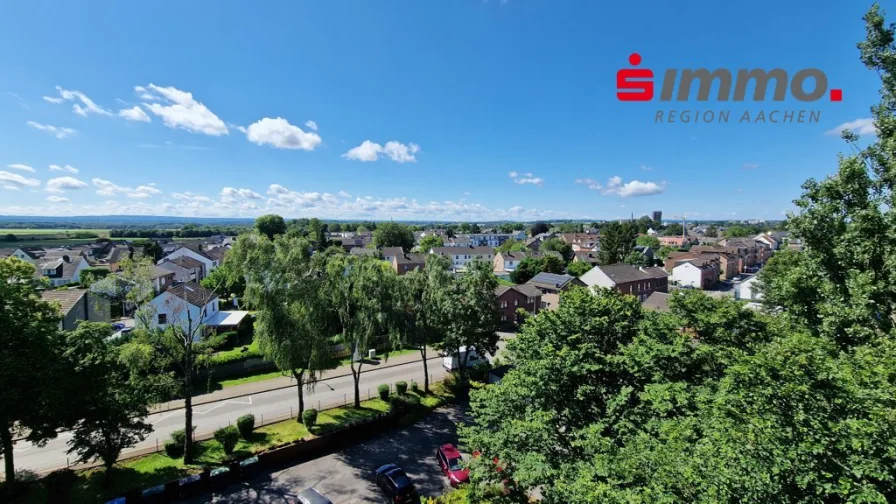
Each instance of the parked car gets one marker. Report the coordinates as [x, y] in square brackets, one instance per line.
[311, 496]
[452, 464]
[452, 362]
[396, 484]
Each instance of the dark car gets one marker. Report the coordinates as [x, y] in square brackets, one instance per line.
[396, 484]
[311, 496]
[452, 465]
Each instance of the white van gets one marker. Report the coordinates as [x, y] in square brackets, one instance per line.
[452, 362]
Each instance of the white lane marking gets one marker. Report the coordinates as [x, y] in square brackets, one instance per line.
[222, 403]
[165, 417]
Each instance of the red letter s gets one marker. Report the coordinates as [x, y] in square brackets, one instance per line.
[634, 84]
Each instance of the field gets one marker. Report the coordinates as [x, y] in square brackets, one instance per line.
[39, 237]
[51, 232]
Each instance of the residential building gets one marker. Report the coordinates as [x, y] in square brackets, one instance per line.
[674, 241]
[551, 285]
[185, 268]
[646, 251]
[768, 240]
[389, 253]
[587, 256]
[627, 279]
[403, 263]
[115, 256]
[210, 259]
[78, 305]
[581, 241]
[60, 268]
[656, 301]
[162, 278]
[29, 254]
[696, 273]
[506, 262]
[364, 251]
[189, 305]
[747, 290]
[460, 256]
[651, 232]
[512, 298]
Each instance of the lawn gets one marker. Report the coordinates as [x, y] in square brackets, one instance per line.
[157, 468]
[508, 283]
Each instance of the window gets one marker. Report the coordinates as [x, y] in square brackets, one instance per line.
[530, 300]
[503, 304]
[163, 318]
[503, 318]
[516, 302]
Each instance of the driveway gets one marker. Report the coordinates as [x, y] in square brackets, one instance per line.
[346, 476]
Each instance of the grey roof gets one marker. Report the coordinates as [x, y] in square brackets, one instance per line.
[194, 293]
[657, 301]
[67, 298]
[362, 251]
[410, 258]
[64, 265]
[115, 255]
[624, 273]
[551, 279]
[529, 290]
[463, 250]
[392, 251]
[216, 254]
[184, 262]
[158, 272]
[587, 256]
[656, 272]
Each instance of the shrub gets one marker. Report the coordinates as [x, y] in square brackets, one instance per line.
[59, 484]
[383, 391]
[246, 424]
[228, 437]
[415, 386]
[309, 418]
[403, 404]
[401, 387]
[174, 450]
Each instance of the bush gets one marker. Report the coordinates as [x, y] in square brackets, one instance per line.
[246, 424]
[59, 484]
[384, 392]
[309, 417]
[415, 386]
[401, 387]
[228, 437]
[174, 450]
[480, 372]
[403, 404]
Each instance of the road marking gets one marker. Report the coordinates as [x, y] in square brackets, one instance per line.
[222, 403]
[169, 415]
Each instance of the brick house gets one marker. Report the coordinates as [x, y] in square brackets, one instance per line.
[627, 279]
[551, 285]
[512, 298]
[403, 263]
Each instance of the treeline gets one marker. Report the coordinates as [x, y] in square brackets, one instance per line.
[187, 231]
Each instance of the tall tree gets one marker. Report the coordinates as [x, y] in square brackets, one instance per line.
[636, 258]
[512, 245]
[422, 300]
[112, 401]
[648, 241]
[538, 228]
[429, 242]
[578, 269]
[525, 270]
[552, 264]
[317, 231]
[285, 285]
[558, 245]
[30, 395]
[472, 314]
[360, 292]
[270, 225]
[616, 241]
[673, 229]
[712, 232]
[393, 234]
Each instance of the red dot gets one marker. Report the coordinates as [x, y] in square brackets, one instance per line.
[836, 95]
[634, 59]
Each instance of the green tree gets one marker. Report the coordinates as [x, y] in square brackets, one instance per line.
[317, 231]
[506, 228]
[538, 228]
[616, 241]
[552, 264]
[132, 288]
[712, 231]
[636, 258]
[578, 269]
[429, 242]
[393, 234]
[674, 229]
[150, 248]
[30, 395]
[270, 225]
[558, 245]
[664, 252]
[648, 241]
[525, 270]
[112, 401]
[285, 285]
[737, 232]
[471, 313]
[512, 245]
[360, 292]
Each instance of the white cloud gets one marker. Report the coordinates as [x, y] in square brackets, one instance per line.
[191, 197]
[66, 168]
[646, 168]
[233, 195]
[371, 151]
[311, 125]
[859, 126]
[20, 167]
[9, 180]
[750, 166]
[183, 111]
[615, 186]
[526, 178]
[345, 194]
[56, 131]
[86, 106]
[134, 114]
[61, 184]
[282, 135]
[56, 199]
[110, 189]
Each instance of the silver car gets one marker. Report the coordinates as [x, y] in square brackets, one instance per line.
[312, 496]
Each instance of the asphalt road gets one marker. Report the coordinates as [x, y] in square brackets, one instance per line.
[346, 476]
[208, 417]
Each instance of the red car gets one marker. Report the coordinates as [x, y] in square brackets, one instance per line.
[452, 465]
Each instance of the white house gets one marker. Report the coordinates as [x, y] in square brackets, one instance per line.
[685, 274]
[768, 240]
[746, 290]
[187, 304]
[460, 256]
[210, 259]
[60, 268]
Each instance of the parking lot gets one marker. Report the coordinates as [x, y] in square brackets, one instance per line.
[346, 476]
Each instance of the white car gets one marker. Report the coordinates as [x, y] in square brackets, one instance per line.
[452, 362]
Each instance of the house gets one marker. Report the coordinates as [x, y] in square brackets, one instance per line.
[674, 241]
[586, 256]
[403, 263]
[768, 240]
[364, 251]
[627, 279]
[189, 305]
[646, 251]
[656, 301]
[185, 268]
[60, 268]
[696, 273]
[77, 305]
[551, 285]
[115, 256]
[357, 241]
[651, 232]
[581, 241]
[505, 262]
[747, 290]
[162, 278]
[389, 253]
[210, 259]
[29, 254]
[511, 298]
[460, 256]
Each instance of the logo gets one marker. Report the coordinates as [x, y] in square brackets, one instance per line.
[723, 85]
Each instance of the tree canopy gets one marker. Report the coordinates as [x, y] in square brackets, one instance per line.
[393, 234]
[270, 225]
[430, 241]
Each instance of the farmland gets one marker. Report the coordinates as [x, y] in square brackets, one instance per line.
[29, 237]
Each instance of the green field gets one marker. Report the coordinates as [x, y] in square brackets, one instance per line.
[51, 232]
[30, 237]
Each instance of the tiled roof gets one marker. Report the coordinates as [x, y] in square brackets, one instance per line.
[463, 250]
[550, 279]
[194, 293]
[625, 273]
[410, 258]
[185, 262]
[392, 251]
[67, 298]
[658, 301]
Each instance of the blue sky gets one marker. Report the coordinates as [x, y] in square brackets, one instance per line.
[432, 110]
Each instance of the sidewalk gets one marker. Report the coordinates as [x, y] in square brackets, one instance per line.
[283, 382]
